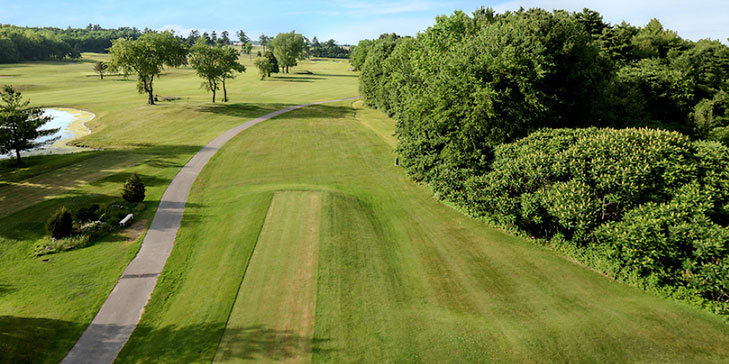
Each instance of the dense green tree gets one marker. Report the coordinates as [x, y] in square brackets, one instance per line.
[358, 53]
[205, 60]
[328, 49]
[224, 38]
[230, 66]
[60, 224]
[655, 41]
[20, 125]
[288, 47]
[147, 56]
[193, 37]
[100, 67]
[243, 38]
[264, 40]
[215, 65]
[264, 66]
[134, 189]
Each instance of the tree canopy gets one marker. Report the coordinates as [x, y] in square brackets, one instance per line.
[288, 48]
[146, 57]
[20, 125]
[215, 65]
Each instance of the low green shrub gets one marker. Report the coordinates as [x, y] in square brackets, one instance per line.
[133, 189]
[60, 225]
[49, 245]
[646, 206]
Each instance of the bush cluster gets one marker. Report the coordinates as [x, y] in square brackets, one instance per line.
[652, 204]
[71, 231]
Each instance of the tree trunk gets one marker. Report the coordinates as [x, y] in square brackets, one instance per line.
[212, 86]
[150, 99]
[225, 92]
[17, 156]
[101, 75]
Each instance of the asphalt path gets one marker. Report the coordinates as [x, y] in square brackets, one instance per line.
[122, 310]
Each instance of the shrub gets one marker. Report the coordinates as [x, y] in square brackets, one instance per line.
[133, 189]
[652, 204]
[60, 225]
[88, 213]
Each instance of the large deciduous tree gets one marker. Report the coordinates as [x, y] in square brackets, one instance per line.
[264, 40]
[288, 47]
[215, 65]
[147, 56]
[243, 38]
[20, 125]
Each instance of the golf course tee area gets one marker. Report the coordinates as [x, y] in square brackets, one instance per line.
[301, 241]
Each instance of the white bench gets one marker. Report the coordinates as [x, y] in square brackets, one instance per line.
[126, 219]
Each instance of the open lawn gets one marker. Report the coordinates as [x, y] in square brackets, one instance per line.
[400, 277]
[45, 305]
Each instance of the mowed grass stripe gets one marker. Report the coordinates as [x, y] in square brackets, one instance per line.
[15, 196]
[273, 317]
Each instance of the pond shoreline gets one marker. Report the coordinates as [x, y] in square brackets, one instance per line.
[72, 125]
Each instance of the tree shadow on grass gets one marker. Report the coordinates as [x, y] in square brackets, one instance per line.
[336, 75]
[252, 111]
[259, 342]
[199, 342]
[296, 78]
[243, 110]
[36, 340]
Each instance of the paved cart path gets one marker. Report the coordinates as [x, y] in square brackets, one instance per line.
[122, 310]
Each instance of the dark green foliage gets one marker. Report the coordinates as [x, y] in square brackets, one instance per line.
[88, 213]
[358, 53]
[133, 189]
[288, 49]
[21, 125]
[328, 49]
[147, 56]
[60, 225]
[19, 44]
[651, 202]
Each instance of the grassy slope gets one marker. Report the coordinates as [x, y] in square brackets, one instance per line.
[401, 277]
[44, 306]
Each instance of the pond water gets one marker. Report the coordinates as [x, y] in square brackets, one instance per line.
[71, 124]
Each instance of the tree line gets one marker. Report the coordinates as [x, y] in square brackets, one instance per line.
[18, 44]
[491, 112]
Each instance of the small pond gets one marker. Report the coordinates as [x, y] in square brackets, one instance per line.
[71, 124]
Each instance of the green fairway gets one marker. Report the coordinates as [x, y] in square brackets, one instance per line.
[401, 277]
[45, 305]
[273, 317]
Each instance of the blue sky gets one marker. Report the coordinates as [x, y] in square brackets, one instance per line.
[345, 21]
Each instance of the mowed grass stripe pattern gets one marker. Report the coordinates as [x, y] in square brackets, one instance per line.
[403, 278]
[273, 317]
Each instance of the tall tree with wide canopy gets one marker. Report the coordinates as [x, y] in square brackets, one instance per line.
[147, 57]
[230, 66]
[20, 125]
[288, 47]
[243, 37]
[215, 65]
[264, 40]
